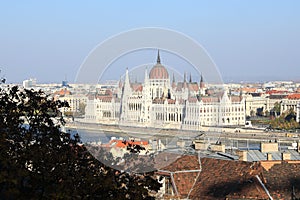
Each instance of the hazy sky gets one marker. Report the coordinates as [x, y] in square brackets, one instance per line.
[248, 40]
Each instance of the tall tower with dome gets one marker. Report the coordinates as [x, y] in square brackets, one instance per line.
[159, 80]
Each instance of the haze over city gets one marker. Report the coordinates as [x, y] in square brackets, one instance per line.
[150, 99]
[248, 40]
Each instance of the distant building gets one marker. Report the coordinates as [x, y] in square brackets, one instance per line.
[254, 103]
[161, 103]
[29, 83]
[290, 102]
[75, 101]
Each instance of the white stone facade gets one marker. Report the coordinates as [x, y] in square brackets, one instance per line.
[158, 103]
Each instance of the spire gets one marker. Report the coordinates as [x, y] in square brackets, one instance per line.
[173, 81]
[146, 78]
[202, 82]
[184, 81]
[158, 57]
[173, 78]
[190, 78]
[126, 82]
[120, 82]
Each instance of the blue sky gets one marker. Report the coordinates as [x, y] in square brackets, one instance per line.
[248, 40]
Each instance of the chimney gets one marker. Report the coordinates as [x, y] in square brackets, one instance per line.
[286, 156]
[266, 147]
[242, 155]
[269, 156]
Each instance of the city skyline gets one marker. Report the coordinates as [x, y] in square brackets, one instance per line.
[249, 40]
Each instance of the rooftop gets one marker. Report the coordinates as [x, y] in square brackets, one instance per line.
[220, 179]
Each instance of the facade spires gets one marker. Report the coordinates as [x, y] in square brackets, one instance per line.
[202, 82]
[127, 81]
[146, 78]
[184, 81]
[158, 57]
[173, 81]
[120, 82]
[190, 77]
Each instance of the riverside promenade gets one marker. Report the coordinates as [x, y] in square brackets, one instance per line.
[225, 133]
[131, 129]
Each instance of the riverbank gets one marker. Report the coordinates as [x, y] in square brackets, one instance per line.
[130, 129]
[163, 132]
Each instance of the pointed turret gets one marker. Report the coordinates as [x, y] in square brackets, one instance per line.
[120, 82]
[173, 81]
[190, 77]
[127, 82]
[202, 82]
[158, 58]
[125, 96]
[184, 81]
[146, 78]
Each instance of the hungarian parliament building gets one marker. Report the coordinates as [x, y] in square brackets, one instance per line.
[161, 103]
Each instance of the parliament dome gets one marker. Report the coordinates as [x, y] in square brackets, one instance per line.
[159, 71]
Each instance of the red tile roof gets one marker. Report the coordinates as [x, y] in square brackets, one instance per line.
[108, 92]
[249, 90]
[210, 99]
[171, 101]
[62, 92]
[276, 92]
[193, 86]
[217, 179]
[220, 179]
[192, 99]
[105, 98]
[294, 96]
[236, 98]
[138, 87]
[123, 143]
[281, 178]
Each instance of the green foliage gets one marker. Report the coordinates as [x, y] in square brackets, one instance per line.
[38, 161]
[81, 108]
[286, 121]
[277, 107]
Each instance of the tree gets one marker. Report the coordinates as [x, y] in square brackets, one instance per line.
[252, 113]
[38, 161]
[290, 114]
[81, 108]
[267, 113]
[260, 111]
[276, 109]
